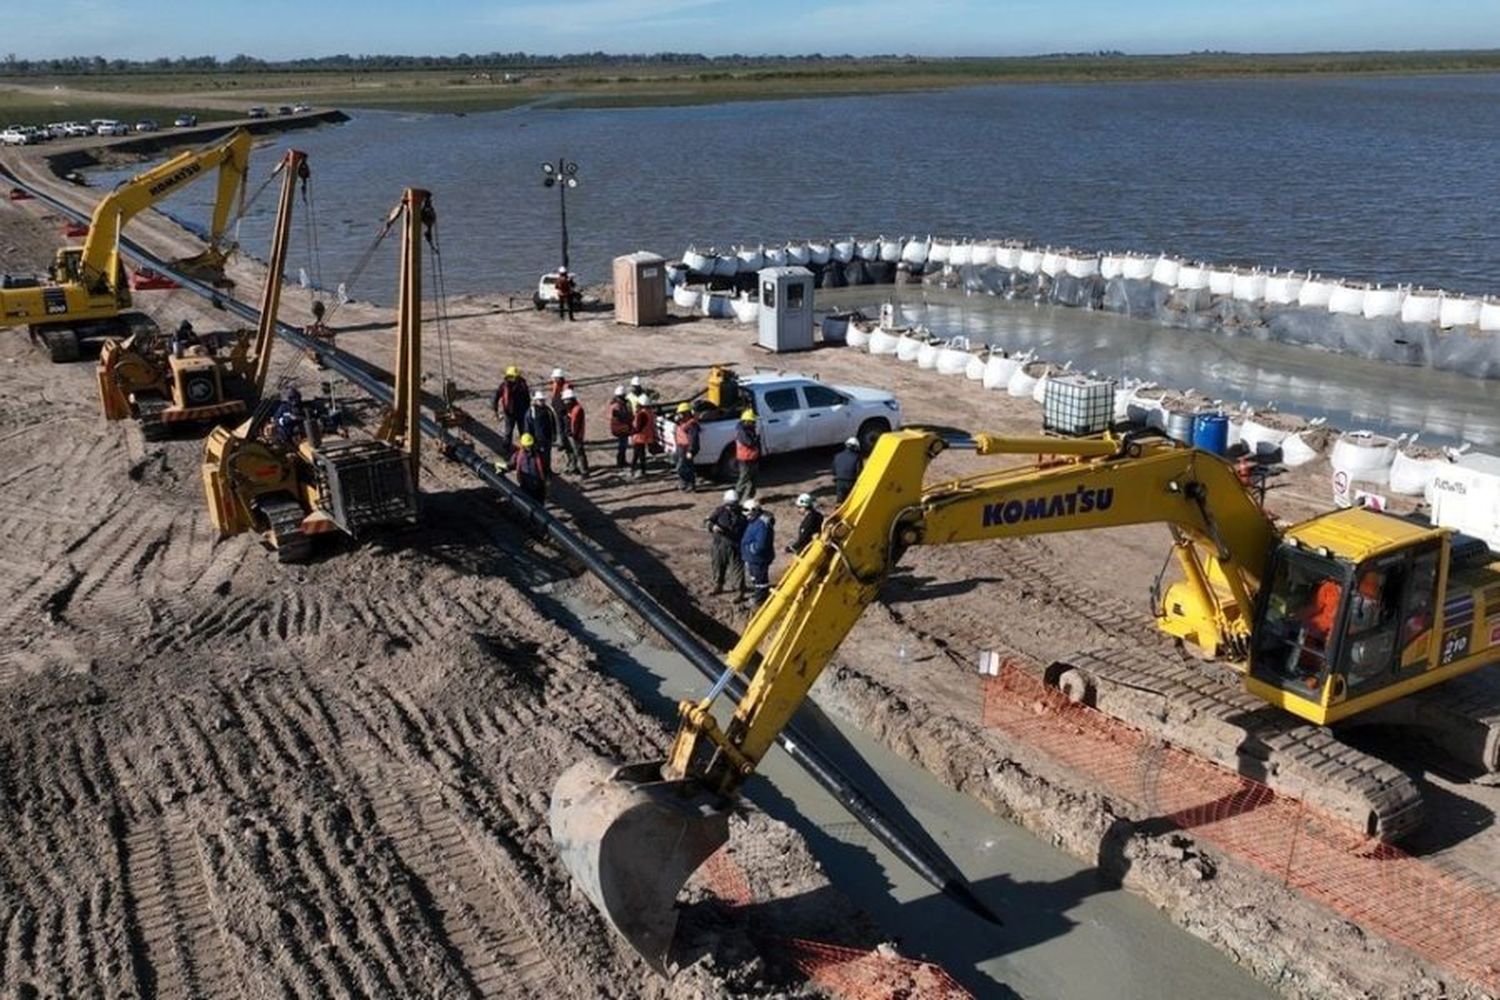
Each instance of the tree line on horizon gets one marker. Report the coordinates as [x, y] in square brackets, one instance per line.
[13, 65]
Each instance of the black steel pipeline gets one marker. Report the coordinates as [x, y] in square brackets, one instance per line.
[937, 871]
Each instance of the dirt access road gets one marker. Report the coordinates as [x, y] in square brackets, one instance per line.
[220, 776]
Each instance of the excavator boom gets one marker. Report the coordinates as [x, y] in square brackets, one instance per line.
[632, 835]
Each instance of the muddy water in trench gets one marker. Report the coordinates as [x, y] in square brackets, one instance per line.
[1350, 392]
[1067, 933]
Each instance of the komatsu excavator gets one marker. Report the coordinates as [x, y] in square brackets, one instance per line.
[289, 483]
[140, 378]
[1333, 620]
[85, 294]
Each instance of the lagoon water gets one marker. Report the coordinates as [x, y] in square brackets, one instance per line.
[1387, 179]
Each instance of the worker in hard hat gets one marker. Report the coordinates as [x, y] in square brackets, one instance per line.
[509, 401]
[747, 448]
[572, 425]
[726, 526]
[531, 471]
[643, 439]
[564, 289]
[621, 417]
[811, 524]
[540, 422]
[687, 437]
[556, 383]
[757, 549]
[847, 465]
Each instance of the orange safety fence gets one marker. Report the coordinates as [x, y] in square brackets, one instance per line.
[1443, 914]
[848, 973]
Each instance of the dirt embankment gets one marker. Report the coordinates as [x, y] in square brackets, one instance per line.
[222, 776]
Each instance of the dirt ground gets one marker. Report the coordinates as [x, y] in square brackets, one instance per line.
[220, 776]
[327, 686]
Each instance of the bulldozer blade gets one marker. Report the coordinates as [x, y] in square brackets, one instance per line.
[630, 839]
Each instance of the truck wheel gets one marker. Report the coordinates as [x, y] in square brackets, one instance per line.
[537, 302]
[62, 345]
[869, 431]
[726, 468]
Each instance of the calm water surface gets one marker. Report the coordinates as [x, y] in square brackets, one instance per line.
[1387, 179]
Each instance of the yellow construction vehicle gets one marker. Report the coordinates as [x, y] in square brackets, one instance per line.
[162, 387]
[276, 474]
[1329, 620]
[85, 294]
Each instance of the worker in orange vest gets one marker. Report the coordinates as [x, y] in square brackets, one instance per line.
[572, 430]
[642, 436]
[621, 421]
[688, 439]
[747, 455]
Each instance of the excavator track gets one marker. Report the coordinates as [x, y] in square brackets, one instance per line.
[284, 519]
[1184, 703]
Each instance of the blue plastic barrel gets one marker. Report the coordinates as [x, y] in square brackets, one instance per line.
[1211, 432]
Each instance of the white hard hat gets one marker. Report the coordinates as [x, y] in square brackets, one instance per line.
[852, 444]
[635, 381]
[569, 394]
[619, 390]
[730, 496]
[751, 504]
[557, 373]
[805, 500]
[538, 396]
[562, 270]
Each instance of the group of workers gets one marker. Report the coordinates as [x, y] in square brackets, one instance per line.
[742, 532]
[742, 543]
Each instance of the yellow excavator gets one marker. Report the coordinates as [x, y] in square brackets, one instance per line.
[86, 294]
[277, 474]
[1333, 620]
[160, 387]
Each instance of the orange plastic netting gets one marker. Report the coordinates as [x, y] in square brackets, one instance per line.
[1445, 915]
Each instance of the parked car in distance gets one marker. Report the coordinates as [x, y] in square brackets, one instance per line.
[146, 125]
[258, 112]
[284, 109]
[13, 136]
[300, 109]
[75, 130]
[108, 126]
[185, 121]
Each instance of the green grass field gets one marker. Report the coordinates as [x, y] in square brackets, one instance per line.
[222, 94]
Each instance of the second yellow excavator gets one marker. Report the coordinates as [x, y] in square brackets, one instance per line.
[85, 294]
[164, 386]
[1332, 620]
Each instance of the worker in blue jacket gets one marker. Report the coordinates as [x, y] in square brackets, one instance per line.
[757, 549]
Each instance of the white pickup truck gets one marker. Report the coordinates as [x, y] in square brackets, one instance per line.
[793, 413]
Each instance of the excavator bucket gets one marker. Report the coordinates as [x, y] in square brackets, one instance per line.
[205, 266]
[630, 839]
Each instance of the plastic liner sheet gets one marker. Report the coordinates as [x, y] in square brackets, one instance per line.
[1386, 339]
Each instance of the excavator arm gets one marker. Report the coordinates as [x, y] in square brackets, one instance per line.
[99, 262]
[626, 833]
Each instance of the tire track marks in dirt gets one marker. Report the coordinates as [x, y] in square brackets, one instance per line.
[182, 945]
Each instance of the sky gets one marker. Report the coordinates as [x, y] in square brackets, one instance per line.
[276, 29]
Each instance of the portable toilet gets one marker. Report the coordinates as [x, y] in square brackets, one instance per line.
[640, 289]
[786, 309]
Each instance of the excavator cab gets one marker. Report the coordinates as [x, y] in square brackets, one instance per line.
[1361, 608]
